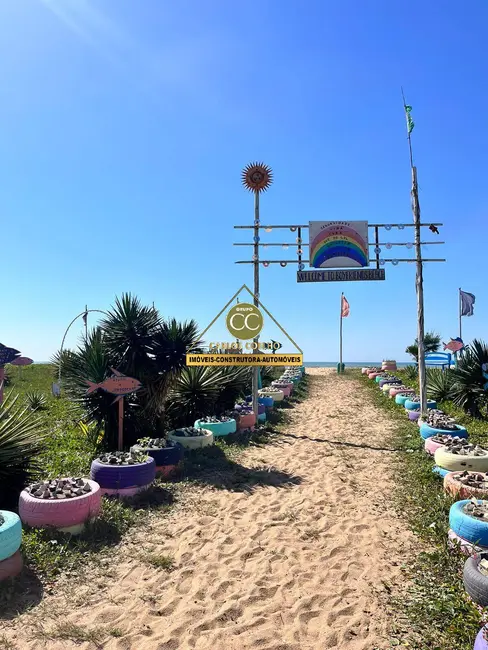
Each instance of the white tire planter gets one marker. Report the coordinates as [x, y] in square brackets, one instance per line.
[193, 442]
[278, 396]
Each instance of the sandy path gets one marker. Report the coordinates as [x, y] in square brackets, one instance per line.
[293, 566]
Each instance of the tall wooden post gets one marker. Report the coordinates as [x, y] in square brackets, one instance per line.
[121, 425]
[255, 370]
[340, 339]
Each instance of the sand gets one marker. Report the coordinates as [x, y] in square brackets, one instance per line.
[306, 560]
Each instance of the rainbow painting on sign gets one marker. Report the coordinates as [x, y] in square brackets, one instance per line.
[338, 244]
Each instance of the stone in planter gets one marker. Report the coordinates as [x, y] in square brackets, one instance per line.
[191, 437]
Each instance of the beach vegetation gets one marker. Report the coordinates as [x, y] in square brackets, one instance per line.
[440, 384]
[432, 343]
[468, 389]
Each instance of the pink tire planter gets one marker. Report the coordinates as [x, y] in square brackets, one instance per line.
[11, 567]
[394, 390]
[373, 375]
[430, 446]
[464, 546]
[246, 421]
[67, 515]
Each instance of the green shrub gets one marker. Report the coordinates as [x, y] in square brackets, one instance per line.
[21, 440]
[440, 384]
[35, 400]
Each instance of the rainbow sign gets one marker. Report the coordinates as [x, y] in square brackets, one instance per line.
[338, 244]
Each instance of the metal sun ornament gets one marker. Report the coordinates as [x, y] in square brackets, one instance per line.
[257, 177]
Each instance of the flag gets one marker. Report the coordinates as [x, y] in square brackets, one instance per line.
[467, 303]
[344, 307]
[410, 122]
[85, 316]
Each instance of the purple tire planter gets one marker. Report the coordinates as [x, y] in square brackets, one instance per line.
[480, 642]
[413, 416]
[122, 477]
[393, 382]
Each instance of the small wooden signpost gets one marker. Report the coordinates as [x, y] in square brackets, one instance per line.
[120, 385]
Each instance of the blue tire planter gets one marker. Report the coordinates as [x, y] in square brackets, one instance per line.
[121, 477]
[163, 457]
[439, 470]
[469, 528]
[266, 401]
[401, 399]
[262, 417]
[10, 534]
[428, 432]
[219, 429]
[411, 406]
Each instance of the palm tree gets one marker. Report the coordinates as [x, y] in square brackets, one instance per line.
[469, 384]
[432, 343]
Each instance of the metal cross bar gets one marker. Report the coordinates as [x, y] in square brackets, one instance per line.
[423, 243]
[370, 225]
[373, 261]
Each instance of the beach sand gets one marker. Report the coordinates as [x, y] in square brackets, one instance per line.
[304, 560]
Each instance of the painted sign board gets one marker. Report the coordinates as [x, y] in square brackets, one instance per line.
[351, 275]
[338, 244]
[7, 355]
[22, 361]
[244, 360]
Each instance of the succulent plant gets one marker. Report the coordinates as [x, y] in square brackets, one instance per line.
[475, 509]
[62, 488]
[187, 432]
[122, 457]
[152, 443]
[212, 419]
[440, 421]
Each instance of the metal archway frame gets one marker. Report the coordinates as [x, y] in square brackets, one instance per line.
[85, 311]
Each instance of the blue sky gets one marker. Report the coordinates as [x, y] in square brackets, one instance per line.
[125, 125]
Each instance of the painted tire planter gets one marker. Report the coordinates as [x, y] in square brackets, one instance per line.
[400, 399]
[413, 416]
[394, 391]
[10, 534]
[373, 375]
[365, 371]
[427, 432]
[123, 480]
[11, 567]
[263, 400]
[277, 396]
[481, 643]
[452, 485]
[382, 382]
[469, 528]
[219, 429]
[454, 541]
[246, 421]
[386, 388]
[163, 456]
[457, 463]
[67, 515]
[440, 471]
[414, 405]
[431, 447]
[286, 388]
[193, 442]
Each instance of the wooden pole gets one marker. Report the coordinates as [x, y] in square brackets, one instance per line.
[2, 379]
[255, 370]
[121, 424]
[340, 339]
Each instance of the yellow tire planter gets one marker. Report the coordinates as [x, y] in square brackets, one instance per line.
[458, 463]
[193, 442]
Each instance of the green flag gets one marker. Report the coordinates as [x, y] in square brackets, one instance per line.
[410, 122]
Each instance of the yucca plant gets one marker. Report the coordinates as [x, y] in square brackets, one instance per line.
[411, 373]
[201, 391]
[468, 391]
[21, 440]
[440, 384]
[36, 400]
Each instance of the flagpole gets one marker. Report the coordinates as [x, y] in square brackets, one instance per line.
[419, 282]
[460, 315]
[86, 322]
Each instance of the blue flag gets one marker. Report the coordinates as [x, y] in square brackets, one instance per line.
[467, 303]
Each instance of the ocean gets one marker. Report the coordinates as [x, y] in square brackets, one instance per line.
[352, 364]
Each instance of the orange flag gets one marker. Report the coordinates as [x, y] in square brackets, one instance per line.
[344, 307]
